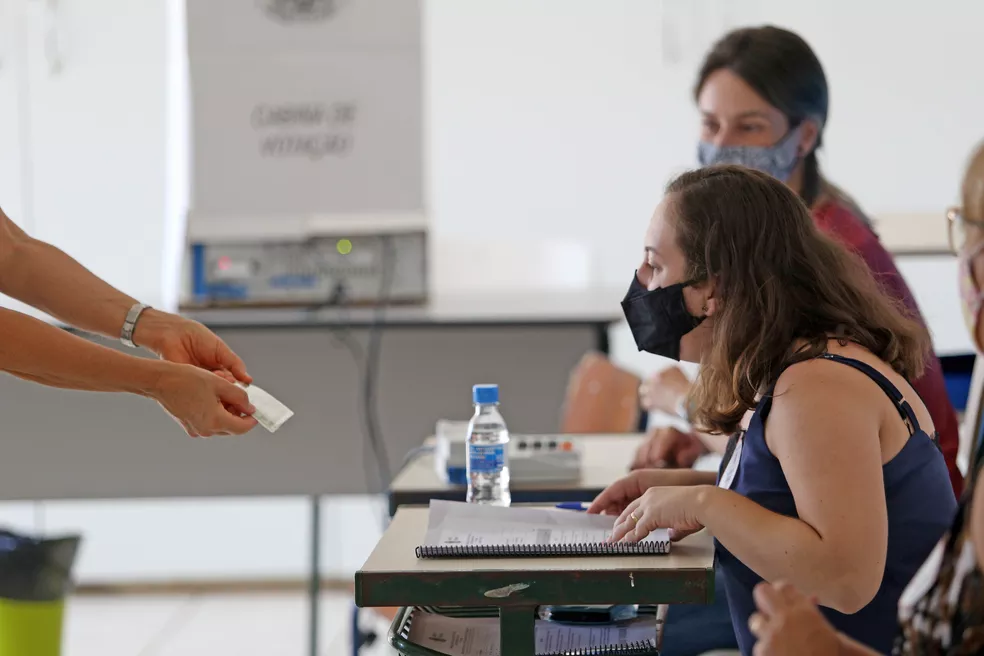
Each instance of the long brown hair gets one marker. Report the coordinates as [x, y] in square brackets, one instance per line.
[780, 284]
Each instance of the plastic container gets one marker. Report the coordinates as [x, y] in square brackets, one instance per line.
[487, 450]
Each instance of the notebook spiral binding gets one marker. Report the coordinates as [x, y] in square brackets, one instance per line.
[596, 549]
[405, 629]
[642, 648]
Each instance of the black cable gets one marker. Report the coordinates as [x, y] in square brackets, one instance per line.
[341, 335]
[414, 452]
[340, 331]
[373, 352]
[367, 361]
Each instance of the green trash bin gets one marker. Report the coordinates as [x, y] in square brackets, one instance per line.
[35, 579]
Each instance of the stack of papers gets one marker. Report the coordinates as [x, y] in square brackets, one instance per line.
[480, 636]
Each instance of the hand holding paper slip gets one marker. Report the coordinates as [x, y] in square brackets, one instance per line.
[270, 413]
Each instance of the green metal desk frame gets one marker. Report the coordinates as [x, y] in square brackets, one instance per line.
[517, 595]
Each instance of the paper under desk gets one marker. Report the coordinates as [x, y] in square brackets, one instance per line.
[394, 576]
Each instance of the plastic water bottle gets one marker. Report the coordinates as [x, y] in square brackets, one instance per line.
[488, 457]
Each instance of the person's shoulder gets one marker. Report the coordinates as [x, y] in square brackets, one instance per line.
[844, 221]
[816, 375]
[821, 391]
[819, 399]
[846, 224]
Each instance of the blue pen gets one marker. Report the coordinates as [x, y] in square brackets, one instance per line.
[573, 505]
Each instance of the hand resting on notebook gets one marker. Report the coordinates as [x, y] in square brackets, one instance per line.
[462, 530]
[628, 489]
[675, 508]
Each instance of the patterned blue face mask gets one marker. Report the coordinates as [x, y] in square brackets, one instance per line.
[777, 160]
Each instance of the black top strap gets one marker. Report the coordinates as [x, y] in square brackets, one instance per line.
[905, 410]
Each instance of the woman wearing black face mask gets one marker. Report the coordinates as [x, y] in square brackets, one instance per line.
[834, 480]
[658, 318]
[763, 99]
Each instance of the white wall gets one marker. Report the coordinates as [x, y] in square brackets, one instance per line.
[563, 119]
[541, 126]
[91, 109]
[12, 117]
[553, 127]
[204, 539]
[98, 130]
[15, 167]
[178, 153]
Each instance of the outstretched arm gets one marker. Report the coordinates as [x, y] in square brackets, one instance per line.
[835, 549]
[45, 277]
[33, 350]
[202, 402]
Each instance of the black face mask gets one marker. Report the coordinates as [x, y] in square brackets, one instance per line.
[658, 318]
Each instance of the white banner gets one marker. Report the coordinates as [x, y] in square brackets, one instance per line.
[305, 108]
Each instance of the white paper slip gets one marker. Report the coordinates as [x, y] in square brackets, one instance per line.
[270, 413]
[457, 636]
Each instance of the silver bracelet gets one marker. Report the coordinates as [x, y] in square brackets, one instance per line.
[130, 323]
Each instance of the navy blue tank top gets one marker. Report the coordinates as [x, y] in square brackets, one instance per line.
[920, 504]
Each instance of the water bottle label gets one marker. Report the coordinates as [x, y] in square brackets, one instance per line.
[486, 458]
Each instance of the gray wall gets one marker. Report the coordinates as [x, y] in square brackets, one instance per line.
[63, 444]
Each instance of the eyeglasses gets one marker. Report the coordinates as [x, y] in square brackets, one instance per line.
[956, 224]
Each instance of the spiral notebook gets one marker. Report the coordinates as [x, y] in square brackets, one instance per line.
[457, 636]
[462, 530]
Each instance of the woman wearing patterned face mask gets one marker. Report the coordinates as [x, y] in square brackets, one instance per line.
[763, 100]
[942, 610]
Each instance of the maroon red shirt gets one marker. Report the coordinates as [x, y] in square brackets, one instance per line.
[840, 222]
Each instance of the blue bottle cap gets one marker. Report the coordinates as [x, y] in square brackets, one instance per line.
[484, 394]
